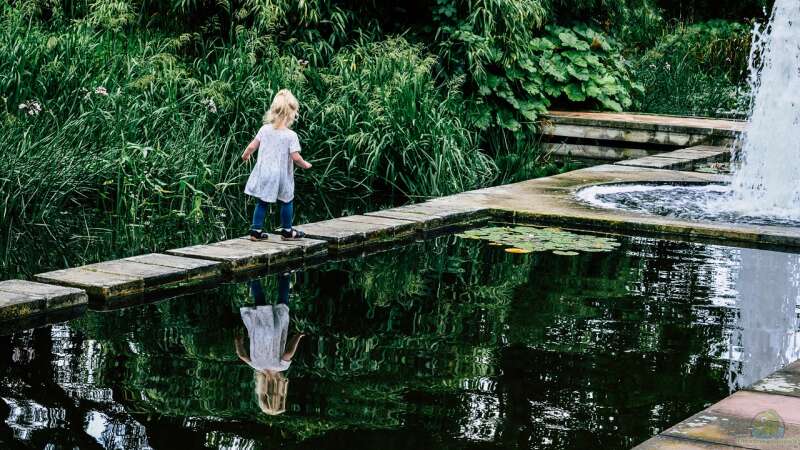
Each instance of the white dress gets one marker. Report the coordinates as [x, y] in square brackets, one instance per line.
[267, 327]
[273, 176]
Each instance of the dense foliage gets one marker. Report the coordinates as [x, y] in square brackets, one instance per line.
[121, 120]
[707, 62]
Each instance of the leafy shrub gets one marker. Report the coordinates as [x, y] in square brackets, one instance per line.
[576, 64]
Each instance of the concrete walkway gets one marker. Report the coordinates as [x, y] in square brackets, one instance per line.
[623, 136]
[544, 201]
[763, 416]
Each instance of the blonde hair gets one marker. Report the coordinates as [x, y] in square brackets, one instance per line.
[271, 390]
[284, 108]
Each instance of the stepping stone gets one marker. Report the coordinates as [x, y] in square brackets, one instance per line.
[400, 227]
[746, 419]
[242, 254]
[96, 284]
[136, 275]
[14, 305]
[20, 298]
[681, 159]
[356, 231]
[658, 162]
[435, 214]
[424, 221]
[783, 382]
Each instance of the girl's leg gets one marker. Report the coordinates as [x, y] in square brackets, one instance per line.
[259, 214]
[283, 288]
[287, 214]
[257, 290]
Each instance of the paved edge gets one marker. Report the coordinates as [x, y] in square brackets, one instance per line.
[20, 299]
[743, 419]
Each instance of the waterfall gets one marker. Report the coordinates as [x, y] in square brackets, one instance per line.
[766, 177]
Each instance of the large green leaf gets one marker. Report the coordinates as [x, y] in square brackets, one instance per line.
[570, 39]
[574, 92]
[579, 73]
[505, 119]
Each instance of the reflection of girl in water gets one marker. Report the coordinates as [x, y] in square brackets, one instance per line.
[267, 327]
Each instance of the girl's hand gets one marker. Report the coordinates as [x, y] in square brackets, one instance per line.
[307, 166]
[246, 156]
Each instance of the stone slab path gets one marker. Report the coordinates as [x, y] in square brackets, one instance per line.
[683, 159]
[764, 416]
[242, 254]
[623, 136]
[132, 276]
[20, 298]
[625, 124]
[544, 201]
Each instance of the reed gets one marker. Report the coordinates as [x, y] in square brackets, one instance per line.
[126, 134]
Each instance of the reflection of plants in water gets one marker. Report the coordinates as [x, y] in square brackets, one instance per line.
[531, 239]
[410, 319]
[431, 320]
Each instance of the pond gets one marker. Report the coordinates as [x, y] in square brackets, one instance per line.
[447, 343]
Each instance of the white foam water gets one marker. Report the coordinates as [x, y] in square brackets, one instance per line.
[766, 169]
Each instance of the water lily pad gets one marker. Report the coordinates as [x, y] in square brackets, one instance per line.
[527, 239]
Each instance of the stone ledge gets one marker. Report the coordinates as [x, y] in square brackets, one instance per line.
[19, 298]
[133, 276]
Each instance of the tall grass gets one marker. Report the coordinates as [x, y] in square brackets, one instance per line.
[381, 120]
[697, 69]
[139, 143]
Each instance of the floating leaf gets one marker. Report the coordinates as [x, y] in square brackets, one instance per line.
[527, 239]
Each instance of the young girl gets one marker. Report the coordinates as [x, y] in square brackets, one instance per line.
[273, 176]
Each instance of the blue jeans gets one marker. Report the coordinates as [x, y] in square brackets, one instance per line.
[257, 290]
[260, 213]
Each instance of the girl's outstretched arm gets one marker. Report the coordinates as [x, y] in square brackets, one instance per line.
[299, 161]
[250, 149]
[292, 347]
[240, 351]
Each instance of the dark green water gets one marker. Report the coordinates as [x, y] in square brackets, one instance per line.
[444, 344]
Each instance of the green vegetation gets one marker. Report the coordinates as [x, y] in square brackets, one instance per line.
[122, 121]
[707, 62]
[522, 239]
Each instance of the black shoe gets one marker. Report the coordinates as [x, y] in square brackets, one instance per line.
[292, 235]
[258, 235]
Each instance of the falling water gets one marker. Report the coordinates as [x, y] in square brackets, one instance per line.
[766, 180]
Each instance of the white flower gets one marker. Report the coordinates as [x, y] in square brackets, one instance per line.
[652, 66]
[209, 103]
[100, 90]
[31, 107]
[667, 66]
